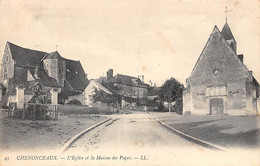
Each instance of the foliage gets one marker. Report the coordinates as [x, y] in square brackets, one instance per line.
[152, 103]
[178, 107]
[130, 99]
[103, 97]
[170, 91]
[75, 102]
[144, 101]
[35, 109]
[160, 107]
[141, 101]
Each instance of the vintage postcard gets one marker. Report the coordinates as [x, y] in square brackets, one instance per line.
[147, 82]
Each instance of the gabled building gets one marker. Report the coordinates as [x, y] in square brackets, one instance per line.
[127, 85]
[26, 67]
[220, 82]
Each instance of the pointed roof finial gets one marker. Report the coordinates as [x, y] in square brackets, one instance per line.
[57, 47]
[226, 11]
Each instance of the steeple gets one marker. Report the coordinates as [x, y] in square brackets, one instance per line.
[228, 36]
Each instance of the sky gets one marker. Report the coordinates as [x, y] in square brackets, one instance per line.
[157, 39]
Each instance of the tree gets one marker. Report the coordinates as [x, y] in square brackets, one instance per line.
[171, 91]
[36, 109]
[103, 97]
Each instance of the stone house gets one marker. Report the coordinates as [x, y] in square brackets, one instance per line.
[86, 96]
[22, 67]
[122, 85]
[127, 85]
[220, 82]
[90, 90]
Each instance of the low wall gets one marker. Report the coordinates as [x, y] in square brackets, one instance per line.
[83, 109]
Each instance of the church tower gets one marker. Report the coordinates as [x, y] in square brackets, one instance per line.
[228, 36]
[55, 67]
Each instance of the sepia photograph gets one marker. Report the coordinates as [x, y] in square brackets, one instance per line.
[130, 82]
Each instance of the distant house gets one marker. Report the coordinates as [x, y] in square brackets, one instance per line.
[220, 82]
[127, 85]
[26, 67]
[86, 96]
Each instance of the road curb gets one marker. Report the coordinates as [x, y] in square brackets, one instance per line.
[67, 145]
[190, 138]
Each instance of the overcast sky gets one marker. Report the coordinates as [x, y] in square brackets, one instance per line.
[157, 39]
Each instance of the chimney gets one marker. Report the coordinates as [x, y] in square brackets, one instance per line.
[241, 57]
[151, 84]
[141, 77]
[36, 72]
[109, 74]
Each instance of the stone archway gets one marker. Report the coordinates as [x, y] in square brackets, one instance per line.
[216, 106]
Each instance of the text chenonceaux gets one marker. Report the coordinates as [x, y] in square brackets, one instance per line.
[37, 157]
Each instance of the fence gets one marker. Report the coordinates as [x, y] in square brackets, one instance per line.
[34, 111]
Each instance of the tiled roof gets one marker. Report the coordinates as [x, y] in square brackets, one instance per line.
[128, 80]
[21, 76]
[25, 57]
[217, 54]
[75, 75]
[226, 32]
[102, 87]
[53, 55]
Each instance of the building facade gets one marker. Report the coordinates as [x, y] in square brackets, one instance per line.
[220, 82]
[127, 85]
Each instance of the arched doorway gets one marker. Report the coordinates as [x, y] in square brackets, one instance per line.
[216, 106]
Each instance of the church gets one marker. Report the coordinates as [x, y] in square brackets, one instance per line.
[23, 67]
[220, 83]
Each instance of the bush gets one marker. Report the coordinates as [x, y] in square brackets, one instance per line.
[67, 109]
[160, 107]
[4, 106]
[178, 107]
[74, 102]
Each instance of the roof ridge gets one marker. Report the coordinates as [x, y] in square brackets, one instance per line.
[128, 76]
[215, 27]
[23, 47]
[122, 78]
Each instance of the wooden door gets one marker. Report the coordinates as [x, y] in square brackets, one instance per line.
[216, 106]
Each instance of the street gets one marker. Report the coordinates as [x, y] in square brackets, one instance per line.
[136, 137]
[137, 131]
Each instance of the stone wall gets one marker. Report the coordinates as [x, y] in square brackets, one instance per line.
[56, 69]
[8, 63]
[239, 99]
[133, 90]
